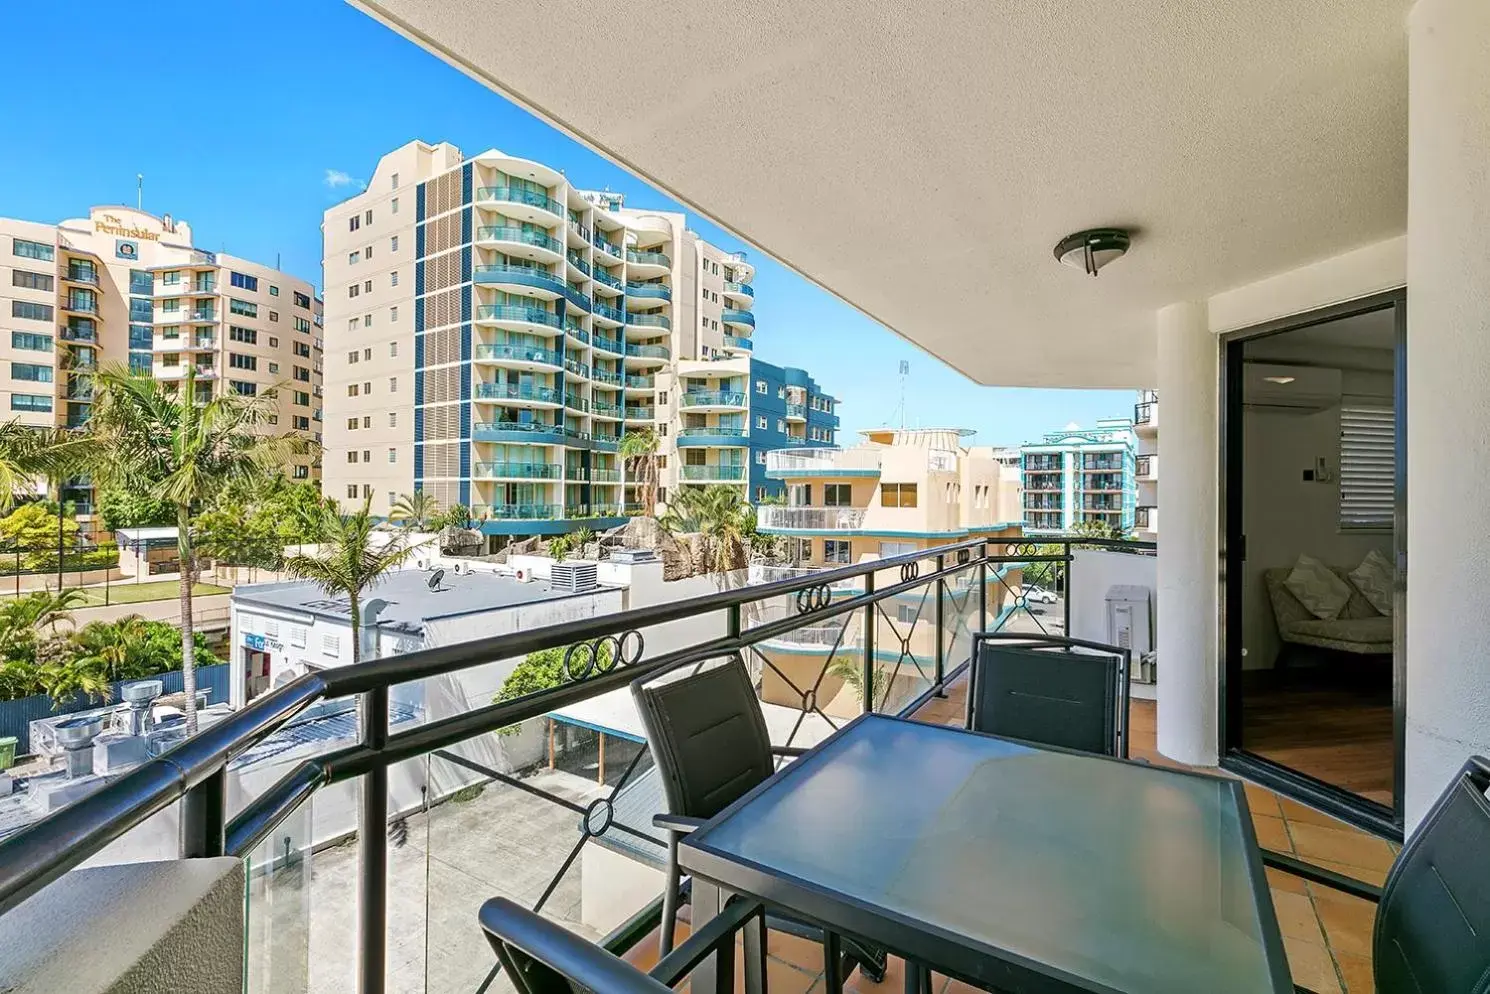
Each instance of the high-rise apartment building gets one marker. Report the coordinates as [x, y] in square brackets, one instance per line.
[1078, 475]
[493, 331]
[124, 286]
[1146, 427]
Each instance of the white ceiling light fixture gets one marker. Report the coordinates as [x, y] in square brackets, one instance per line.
[1091, 250]
[1280, 380]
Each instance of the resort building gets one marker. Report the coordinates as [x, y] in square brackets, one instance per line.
[495, 331]
[123, 286]
[1078, 475]
[1146, 465]
[899, 490]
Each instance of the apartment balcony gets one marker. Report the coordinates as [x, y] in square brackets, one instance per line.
[639, 413]
[643, 262]
[82, 277]
[78, 335]
[184, 344]
[713, 474]
[577, 298]
[737, 319]
[1146, 519]
[529, 432]
[713, 400]
[531, 243]
[179, 372]
[577, 403]
[605, 442]
[647, 355]
[577, 369]
[741, 293]
[518, 317]
[524, 393]
[1146, 417]
[606, 279]
[605, 411]
[80, 304]
[712, 438]
[519, 278]
[640, 383]
[783, 464]
[809, 519]
[604, 343]
[519, 356]
[649, 323]
[517, 512]
[605, 476]
[649, 291]
[734, 343]
[578, 262]
[517, 470]
[1148, 468]
[608, 314]
[796, 412]
[605, 378]
[490, 196]
[1043, 464]
[611, 252]
[575, 331]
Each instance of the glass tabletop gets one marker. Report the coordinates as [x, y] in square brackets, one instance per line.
[1119, 875]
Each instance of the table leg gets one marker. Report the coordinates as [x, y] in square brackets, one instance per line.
[832, 963]
[755, 955]
[716, 974]
[917, 978]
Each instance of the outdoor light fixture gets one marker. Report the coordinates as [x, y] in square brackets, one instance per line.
[1280, 380]
[1091, 250]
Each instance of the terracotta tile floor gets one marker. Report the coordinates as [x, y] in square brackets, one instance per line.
[1327, 935]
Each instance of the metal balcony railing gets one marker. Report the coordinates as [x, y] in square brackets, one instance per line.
[384, 745]
[822, 462]
[810, 518]
[520, 195]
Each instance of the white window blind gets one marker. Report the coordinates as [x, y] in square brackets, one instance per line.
[1368, 466]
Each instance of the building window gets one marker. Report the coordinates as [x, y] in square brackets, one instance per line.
[837, 495]
[760, 421]
[393, 244]
[242, 361]
[301, 423]
[898, 495]
[781, 426]
[393, 349]
[301, 349]
[352, 456]
[302, 374]
[393, 314]
[353, 224]
[367, 421]
[27, 340]
[367, 353]
[393, 455]
[273, 369]
[393, 278]
[367, 252]
[31, 281]
[836, 551]
[353, 290]
[302, 300]
[351, 424]
[353, 389]
[245, 308]
[273, 342]
[243, 389]
[1368, 459]
[32, 250]
[243, 281]
[31, 372]
[30, 402]
[368, 216]
[760, 456]
[393, 206]
[392, 419]
[367, 287]
[354, 356]
[273, 290]
[302, 325]
[274, 316]
[907, 614]
[30, 311]
[351, 491]
[301, 472]
[353, 258]
[760, 386]
[248, 336]
[393, 384]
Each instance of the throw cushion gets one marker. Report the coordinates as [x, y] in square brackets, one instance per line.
[1318, 588]
[1373, 578]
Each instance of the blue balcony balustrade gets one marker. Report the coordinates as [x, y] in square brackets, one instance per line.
[796, 410]
[714, 432]
[518, 512]
[520, 195]
[714, 474]
[606, 246]
[643, 257]
[648, 321]
[612, 313]
[608, 410]
[88, 276]
[577, 298]
[522, 236]
[635, 413]
[649, 351]
[735, 342]
[606, 442]
[577, 368]
[518, 312]
[602, 376]
[605, 344]
[711, 398]
[744, 289]
[601, 276]
[80, 303]
[518, 391]
[79, 333]
[655, 291]
[540, 279]
[572, 328]
[577, 404]
[518, 470]
[579, 262]
[641, 382]
[533, 432]
[519, 353]
[733, 316]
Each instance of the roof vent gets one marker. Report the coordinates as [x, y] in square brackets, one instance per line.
[630, 557]
[576, 577]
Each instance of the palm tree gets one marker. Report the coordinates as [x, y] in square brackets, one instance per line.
[145, 435]
[18, 450]
[31, 451]
[639, 450]
[349, 561]
[418, 510]
[720, 515]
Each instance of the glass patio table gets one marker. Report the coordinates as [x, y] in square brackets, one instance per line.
[1007, 865]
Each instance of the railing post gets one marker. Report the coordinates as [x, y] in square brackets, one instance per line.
[869, 645]
[941, 631]
[734, 621]
[372, 851]
[1066, 594]
[983, 589]
[204, 817]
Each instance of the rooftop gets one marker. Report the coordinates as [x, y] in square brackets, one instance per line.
[404, 600]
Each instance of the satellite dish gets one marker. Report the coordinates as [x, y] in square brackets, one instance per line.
[435, 578]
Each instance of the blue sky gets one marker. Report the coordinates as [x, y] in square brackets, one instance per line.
[237, 113]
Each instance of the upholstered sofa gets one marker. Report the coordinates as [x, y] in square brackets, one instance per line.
[1359, 629]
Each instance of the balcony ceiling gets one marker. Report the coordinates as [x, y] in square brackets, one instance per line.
[921, 160]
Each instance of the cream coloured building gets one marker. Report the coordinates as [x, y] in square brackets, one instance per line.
[494, 330]
[125, 286]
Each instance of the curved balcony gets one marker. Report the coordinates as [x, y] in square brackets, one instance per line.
[712, 399]
[740, 291]
[647, 354]
[530, 432]
[636, 412]
[648, 321]
[796, 412]
[606, 379]
[578, 262]
[577, 298]
[575, 332]
[522, 277]
[652, 291]
[520, 392]
[605, 476]
[611, 250]
[81, 336]
[577, 368]
[611, 345]
[784, 464]
[517, 512]
[577, 404]
[713, 474]
[525, 356]
[645, 257]
[516, 470]
[517, 314]
[80, 305]
[809, 519]
[702, 438]
[605, 312]
[550, 249]
[601, 409]
[520, 195]
[737, 318]
[606, 443]
[737, 344]
[647, 383]
[83, 276]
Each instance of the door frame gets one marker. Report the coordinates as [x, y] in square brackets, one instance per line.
[1349, 807]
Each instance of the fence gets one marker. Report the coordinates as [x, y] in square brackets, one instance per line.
[16, 716]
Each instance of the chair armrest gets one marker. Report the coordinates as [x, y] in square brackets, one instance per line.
[681, 824]
[790, 751]
[716, 932]
[1319, 875]
[513, 926]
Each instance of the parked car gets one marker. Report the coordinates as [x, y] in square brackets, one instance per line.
[1033, 594]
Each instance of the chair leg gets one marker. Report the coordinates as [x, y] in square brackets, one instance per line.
[917, 978]
[670, 896]
[833, 972]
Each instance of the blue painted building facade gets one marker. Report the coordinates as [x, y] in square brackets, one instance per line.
[1076, 475]
[787, 408]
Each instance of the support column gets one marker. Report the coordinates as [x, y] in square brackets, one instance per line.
[1188, 564]
[1448, 394]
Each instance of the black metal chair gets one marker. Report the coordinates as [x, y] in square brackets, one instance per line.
[710, 745]
[541, 957]
[1433, 912]
[1050, 690]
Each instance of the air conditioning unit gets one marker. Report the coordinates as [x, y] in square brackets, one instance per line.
[576, 577]
[1130, 625]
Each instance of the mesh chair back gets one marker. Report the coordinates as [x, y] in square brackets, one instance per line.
[1049, 696]
[1433, 924]
[707, 735]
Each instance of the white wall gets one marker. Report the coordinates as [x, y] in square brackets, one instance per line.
[1093, 573]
